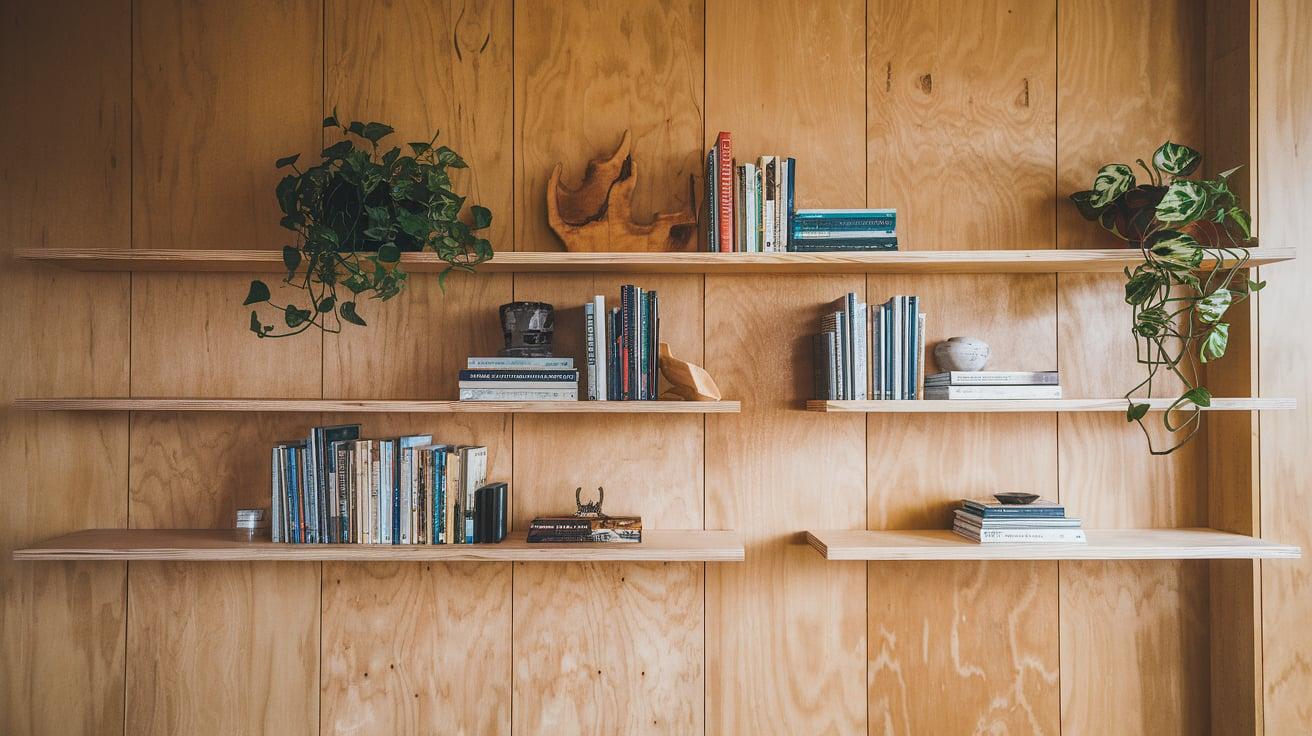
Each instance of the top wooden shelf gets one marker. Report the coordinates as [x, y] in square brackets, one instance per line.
[923, 261]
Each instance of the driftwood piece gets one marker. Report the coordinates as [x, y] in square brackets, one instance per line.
[687, 381]
[598, 215]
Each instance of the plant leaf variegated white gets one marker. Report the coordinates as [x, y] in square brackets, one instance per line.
[1176, 159]
[1184, 201]
[1112, 181]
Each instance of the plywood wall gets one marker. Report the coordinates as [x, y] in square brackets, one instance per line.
[154, 124]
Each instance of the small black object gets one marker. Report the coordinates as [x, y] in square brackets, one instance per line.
[527, 328]
[1016, 499]
[490, 513]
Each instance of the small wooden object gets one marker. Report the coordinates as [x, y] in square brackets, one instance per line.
[687, 381]
[598, 216]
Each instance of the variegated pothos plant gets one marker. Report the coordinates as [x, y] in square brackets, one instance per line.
[1194, 237]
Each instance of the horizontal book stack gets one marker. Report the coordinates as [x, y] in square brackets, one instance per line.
[1001, 385]
[594, 529]
[1040, 522]
[870, 352]
[519, 379]
[335, 488]
[749, 206]
[621, 345]
[821, 231]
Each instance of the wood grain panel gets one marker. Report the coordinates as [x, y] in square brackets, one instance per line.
[64, 108]
[641, 625]
[1284, 170]
[966, 90]
[585, 72]
[219, 92]
[1146, 622]
[927, 651]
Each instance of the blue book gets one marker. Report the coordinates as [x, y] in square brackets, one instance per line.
[858, 213]
[788, 204]
[293, 494]
[913, 338]
[994, 509]
[437, 482]
[844, 223]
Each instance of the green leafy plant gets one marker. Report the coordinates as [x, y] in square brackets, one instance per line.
[354, 213]
[1179, 224]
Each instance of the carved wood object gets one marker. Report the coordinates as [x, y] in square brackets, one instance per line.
[687, 381]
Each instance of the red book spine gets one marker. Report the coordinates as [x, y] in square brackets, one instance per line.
[725, 165]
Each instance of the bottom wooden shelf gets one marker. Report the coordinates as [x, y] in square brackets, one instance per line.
[226, 545]
[1103, 544]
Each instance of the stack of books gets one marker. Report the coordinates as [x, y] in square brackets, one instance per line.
[1040, 522]
[622, 346]
[749, 206]
[993, 385]
[819, 231]
[564, 529]
[519, 379]
[335, 488]
[865, 353]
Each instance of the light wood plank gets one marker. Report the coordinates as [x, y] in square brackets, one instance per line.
[1103, 544]
[64, 180]
[368, 406]
[937, 261]
[988, 406]
[1283, 172]
[230, 545]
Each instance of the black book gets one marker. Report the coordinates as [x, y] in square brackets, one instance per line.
[490, 513]
[653, 345]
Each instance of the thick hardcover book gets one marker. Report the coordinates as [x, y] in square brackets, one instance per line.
[994, 378]
[838, 245]
[519, 394]
[523, 364]
[614, 385]
[521, 385]
[769, 203]
[653, 345]
[1000, 393]
[993, 509]
[570, 375]
[834, 323]
[712, 200]
[913, 342]
[724, 190]
[822, 349]
[490, 503]
[790, 186]
[826, 235]
[885, 217]
[577, 529]
[1021, 536]
[600, 339]
[473, 477]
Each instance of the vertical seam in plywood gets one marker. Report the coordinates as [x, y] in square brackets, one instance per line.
[1056, 313]
[127, 491]
[323, 340]
[706, 669]
[865, 436]
[515, 127]
[1255, 341]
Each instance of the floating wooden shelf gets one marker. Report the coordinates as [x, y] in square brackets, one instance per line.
[377, 407]
[978, 406]
[225, 545]
[1103, 544]
[919, 261]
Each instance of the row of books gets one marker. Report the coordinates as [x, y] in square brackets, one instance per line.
[621, 344]
[1039, 522]
[821, 231]
[519, 379]
[749, 206]
[336, 488]
[870, 352]
[1000, 385]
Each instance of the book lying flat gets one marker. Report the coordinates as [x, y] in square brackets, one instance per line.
[1016, 522]
[605, 529]
[525, 394]
[1001, 393]
[993, 378]
[529, 364]
[990, 508]
[1021, 536]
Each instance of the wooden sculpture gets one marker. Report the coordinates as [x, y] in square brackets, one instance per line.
[687, 381]
[598, 216]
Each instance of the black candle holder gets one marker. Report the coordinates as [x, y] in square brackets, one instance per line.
[528, 328]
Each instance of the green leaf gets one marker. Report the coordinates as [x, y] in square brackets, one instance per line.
[1255, 286]
[389, 253]
[1174, 250]
[419, 148]
[390, 157]
[258, 292]
[1212, 307]
[1135, 412]
[1214, 342]
[291, 258]
[447, 157]
[374, 132]
[1084, 203]
[292, 222]
[1229, 172]
[1184, 202]
[482, 217]
[286, 161]
[416, 226]
[1199, 396]
[256, 326]
[338, 150]
[1141, 287]
[331, 121]
[1176, 159]
[1240, 217]
[1112, 181]
[347, 310]
[1150, 322]
[327, 303]
[295, 316]
[355, 128]
[286, 194]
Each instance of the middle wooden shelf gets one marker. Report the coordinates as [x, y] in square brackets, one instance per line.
[347, 406]
[984, 406]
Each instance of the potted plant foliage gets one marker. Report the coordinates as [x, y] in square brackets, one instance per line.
[354, 214]
[1178, 223]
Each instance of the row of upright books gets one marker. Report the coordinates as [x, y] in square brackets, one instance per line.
[622, 344]
[1039, 522]
[336, 488]
[750, 209]
[865, 352]
[999, 385]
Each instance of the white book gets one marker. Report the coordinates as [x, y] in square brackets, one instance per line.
[473, 463]
[898, 358]
[994, 378]
[526, 394]
[844, 234]
[876, 351]
[770, 193]
[1003, 393]
[965, 518]
[275, 506]
[519, 363]
[751, 210]
[920, 355]
[590, 349]
[861, 350]
[1022, 536]
[599, 334]
[520, 385]
[406, 491]
[781, 208]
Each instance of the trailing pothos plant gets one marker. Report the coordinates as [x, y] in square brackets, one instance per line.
[1179, 224]
[354, 213]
